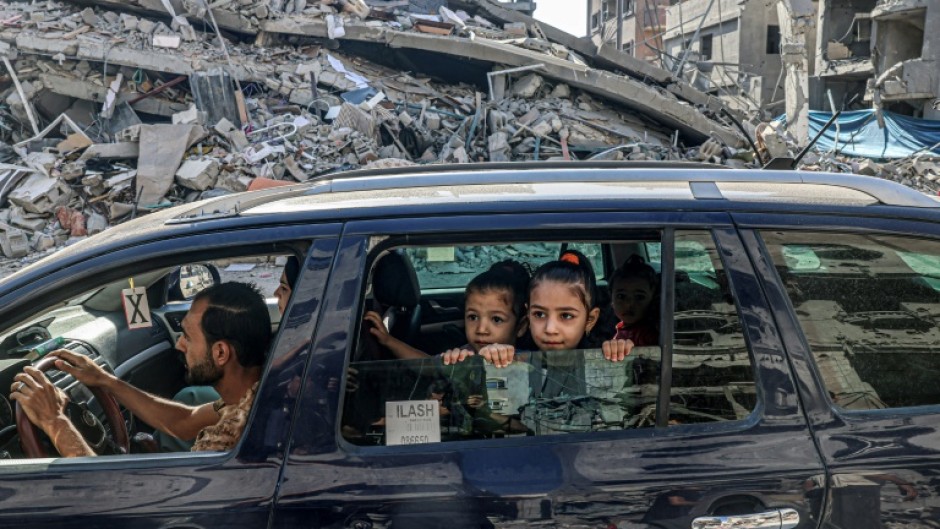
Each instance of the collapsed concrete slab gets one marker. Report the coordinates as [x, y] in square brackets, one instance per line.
[650, 101]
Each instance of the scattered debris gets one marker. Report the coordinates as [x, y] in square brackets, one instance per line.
[142, 110]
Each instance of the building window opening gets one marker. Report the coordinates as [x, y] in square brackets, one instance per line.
[705, 47]
[773, 40]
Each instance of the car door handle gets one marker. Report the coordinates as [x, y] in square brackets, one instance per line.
[778, 519]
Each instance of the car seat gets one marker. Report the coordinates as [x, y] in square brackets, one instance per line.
[395, 289]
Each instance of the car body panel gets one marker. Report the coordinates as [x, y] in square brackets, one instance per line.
[763, 462]
[884, 465]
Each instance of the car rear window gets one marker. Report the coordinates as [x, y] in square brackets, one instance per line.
[869, 307]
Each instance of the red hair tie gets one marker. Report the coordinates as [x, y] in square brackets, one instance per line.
[570, 258]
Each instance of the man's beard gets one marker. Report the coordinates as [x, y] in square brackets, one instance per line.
[203, 374]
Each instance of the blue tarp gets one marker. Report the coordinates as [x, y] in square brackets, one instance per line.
[859, 134]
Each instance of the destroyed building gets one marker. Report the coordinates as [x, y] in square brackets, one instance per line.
[728, 47]
[114, 109]
[636, 28]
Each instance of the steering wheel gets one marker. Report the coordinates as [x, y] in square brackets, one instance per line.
[29, 433]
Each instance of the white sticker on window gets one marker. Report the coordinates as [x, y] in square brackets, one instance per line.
[136, 308]
[411, 422]
[441, 254]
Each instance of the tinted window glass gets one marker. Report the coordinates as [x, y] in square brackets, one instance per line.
[396, 397]
[455, 266]
[869, 308]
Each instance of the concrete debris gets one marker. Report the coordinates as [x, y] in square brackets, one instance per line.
[143, 110]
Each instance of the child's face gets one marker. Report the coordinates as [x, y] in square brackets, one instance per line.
[488, 319]
[631, 298]
[558, 318]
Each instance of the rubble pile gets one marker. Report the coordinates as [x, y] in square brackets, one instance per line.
[920, 170]
[106, 114]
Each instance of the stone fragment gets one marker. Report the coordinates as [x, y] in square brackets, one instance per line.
[498, 145]
[528, 86]
[198, 175]
[432, 121]
[40, 194]
[561, 91]
[89, 17]
[190, 115]
[13, 241]
[146, 26]
[96, 223]
[129, 22]
[166, 41]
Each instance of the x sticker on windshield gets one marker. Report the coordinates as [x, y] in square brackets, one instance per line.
[136, 308]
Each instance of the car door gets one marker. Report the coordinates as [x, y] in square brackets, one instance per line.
[858, 303]
[760, 465]
[208, 489]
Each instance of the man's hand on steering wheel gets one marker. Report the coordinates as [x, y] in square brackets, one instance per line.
[42, 405]
[42, 401]
[83, 368]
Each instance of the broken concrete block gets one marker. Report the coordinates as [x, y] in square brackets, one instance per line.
[29, 221]
[432, 121]
[528, 86]
[518, 29]
[198, 175]
[42, 242]
[498, 145]
[38, 193]
[129, 22]
[13, 242]
[96, 223]
[119, 209]
[187, 116]
[89, 16]
[166, 41]
[112, 151]
[868, 168]
[561, 91]
[73, 142]
[334, 27]
[146, 26]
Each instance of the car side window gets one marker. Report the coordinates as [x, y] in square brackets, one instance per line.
[869, 307]
[394, 396]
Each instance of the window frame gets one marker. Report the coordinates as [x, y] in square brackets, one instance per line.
[545, 227]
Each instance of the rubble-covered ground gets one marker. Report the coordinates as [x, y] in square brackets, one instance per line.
[109, 110]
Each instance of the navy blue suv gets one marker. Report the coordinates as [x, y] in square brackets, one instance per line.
[790, 381]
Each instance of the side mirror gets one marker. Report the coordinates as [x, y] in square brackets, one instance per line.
[188, 280]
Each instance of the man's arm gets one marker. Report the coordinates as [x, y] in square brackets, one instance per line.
[174, 418]
[44, 405]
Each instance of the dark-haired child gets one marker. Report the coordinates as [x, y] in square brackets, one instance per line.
[632, 291]
[562, 311]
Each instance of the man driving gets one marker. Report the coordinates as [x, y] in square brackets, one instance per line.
[225, 340]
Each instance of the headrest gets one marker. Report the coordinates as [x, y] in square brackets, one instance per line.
[394, 281]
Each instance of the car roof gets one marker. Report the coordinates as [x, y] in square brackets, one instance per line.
[472, 188]
[547, 181]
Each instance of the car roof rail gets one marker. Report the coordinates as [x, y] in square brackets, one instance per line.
[885, 192]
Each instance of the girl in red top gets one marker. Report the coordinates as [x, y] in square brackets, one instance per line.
[632, 291]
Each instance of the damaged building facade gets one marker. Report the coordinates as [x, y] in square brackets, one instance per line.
[730, 48]
[115, 109]
[634, 26]
[878, 54]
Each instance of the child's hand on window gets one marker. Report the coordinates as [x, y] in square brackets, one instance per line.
[498, 354]
[617, 350]
[453, 356]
